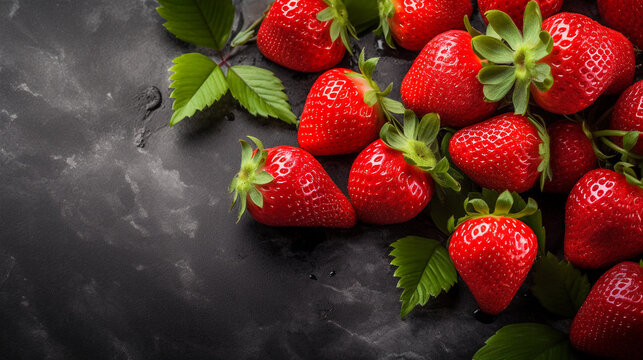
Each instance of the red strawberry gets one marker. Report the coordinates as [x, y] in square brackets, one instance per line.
[494, 252]
[292, 36]
[624, 16]
[566, 68]
[571, 155]
[344, 111]
[603, 220]
[628, 114]
[391, 180]
[610, 321]
[516, 8]
[502, 153]
[443, 80]
[414, 22]
[286, 186]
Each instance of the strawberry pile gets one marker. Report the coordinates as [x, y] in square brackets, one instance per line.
[511, 110]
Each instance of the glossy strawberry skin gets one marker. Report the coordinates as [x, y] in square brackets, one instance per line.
[571, 156]
[624, 16]
[301, 194]
[500, 153]
[415, 22]
[610, 321]
[493, 255]
[335, 119]
[516, 8]
[291, 36]
[628, 114]
[603, 220]
[587, 60]
[384, 188]
[443, 79]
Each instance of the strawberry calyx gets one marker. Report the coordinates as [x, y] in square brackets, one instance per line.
[543, 149]
[419, 146]
[386, 9]
[477, 208]
[630, 139]
[514, 57]
[627, 170]
[250, 176]
[375, 95]
[340, 26]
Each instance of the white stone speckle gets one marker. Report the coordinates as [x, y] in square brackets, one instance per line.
[24, 87]
[15, 6]
[9, 115]
[71, 161]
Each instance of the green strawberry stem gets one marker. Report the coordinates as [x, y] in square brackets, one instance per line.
[627, 170]
[386, 9]
[251, 175]
[513, 57]
[376, 95]
[629, 141]
[340, 25]
[543, 149]
[419, 146]
[476, 208]
[248, 34]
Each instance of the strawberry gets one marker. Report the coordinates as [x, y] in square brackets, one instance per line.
[610, 321]
[304, 35]
[506, 152]
[344, 111]
[516, 8]
[391, 180]
[571, 155]
[493, 252]
[443, 80]
[628, 114]
[414, 22]
[604, 219]
[286, 186]
[566, 67]
[624, 16]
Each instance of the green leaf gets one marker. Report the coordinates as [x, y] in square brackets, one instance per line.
[558, 286]
[505, 27]
[424, 268]
[260, 92]
[363, 14]
[527, 341]
[199, 22]
[492, 49]
[521, 95]
[531, 23]
[497, 81]
[197, 82]
[392, 106]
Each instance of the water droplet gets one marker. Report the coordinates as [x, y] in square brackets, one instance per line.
[312, 277]
[228, 117]
[484, 317]
[332, 273]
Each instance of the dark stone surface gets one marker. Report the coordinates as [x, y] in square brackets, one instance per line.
[115, 236]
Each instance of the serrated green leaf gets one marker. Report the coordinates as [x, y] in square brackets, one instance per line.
[558, 286]
[260, 92]
[496, 92]
[527, 341]
[199, 22]
[424, 268]
[197, 82]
